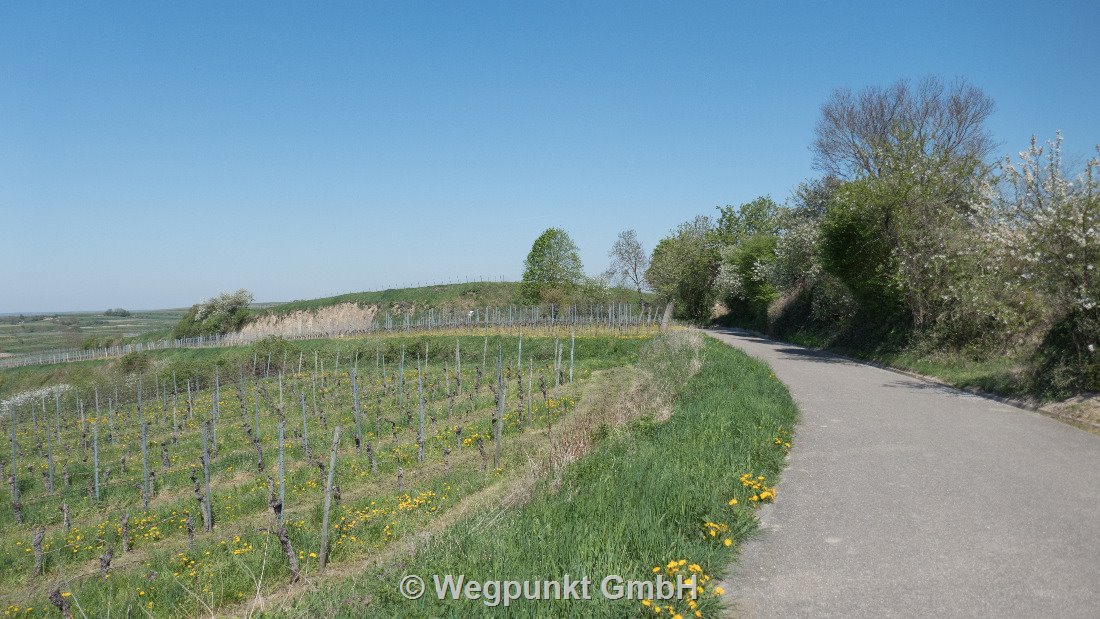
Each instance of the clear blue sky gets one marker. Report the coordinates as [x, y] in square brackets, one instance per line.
[154, 154]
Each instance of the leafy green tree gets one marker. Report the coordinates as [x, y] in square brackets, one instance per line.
[900, 233]
[758, 217]
[683, 268]
[748, 235]
[857, 249]
[552, 268]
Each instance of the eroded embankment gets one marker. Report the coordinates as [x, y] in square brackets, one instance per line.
[326, 321]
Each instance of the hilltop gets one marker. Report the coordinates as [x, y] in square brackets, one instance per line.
[465, 295]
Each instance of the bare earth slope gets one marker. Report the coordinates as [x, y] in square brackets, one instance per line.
[907, 498]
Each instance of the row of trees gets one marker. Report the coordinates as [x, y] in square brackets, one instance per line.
[912, 236]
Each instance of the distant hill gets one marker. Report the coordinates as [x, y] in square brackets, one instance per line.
[467, 295]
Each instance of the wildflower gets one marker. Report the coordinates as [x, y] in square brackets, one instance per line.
[728, 542]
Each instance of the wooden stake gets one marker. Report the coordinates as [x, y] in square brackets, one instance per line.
[328, 497]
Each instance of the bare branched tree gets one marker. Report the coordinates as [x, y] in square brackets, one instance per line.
[629, 261]
[929, 128]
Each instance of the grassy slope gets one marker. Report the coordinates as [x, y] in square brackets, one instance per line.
[995, 373]
[470, 294]
[639, 500]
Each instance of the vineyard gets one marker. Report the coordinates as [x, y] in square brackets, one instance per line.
[354, 319]
[204, 492]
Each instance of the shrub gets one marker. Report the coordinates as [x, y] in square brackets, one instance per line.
[856, 248]
[136, 362]
[224, 313]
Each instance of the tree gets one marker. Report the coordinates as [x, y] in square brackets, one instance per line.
[901, 229]
[683, 268]
[928, 133]
[747, 235]
[758, 217]
[552, 265]
[629, 261]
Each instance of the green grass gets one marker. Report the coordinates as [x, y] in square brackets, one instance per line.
[996, 374]
[639, 500]
[993, 372]
[468, 295]
[471, 295]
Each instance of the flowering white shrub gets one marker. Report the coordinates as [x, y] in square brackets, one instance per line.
[1050, 226]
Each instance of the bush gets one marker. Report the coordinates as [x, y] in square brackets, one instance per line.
[93, 342]
[222, 314]
[1060, 365]
[856, 249]
[136, 362]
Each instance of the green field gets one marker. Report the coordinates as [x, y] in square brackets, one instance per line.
[27, 334]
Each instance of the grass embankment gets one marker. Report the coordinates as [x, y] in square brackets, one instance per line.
[997, 373]
[646, 498]
[472, 294]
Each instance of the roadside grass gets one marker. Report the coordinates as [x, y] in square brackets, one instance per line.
[638, 504]
[997, 373]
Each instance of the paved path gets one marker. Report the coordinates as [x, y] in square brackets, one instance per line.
[906, 498]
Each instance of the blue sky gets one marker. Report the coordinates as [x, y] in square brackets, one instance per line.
[154, 154]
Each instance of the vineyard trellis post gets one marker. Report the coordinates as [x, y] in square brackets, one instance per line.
[328, 497]
[95, 445]
[282, 473]
[355, 409]
[420, 397]
[145, 451]
[16, 505]
[208, 510]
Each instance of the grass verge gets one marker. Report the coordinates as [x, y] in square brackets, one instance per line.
[652, 496]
